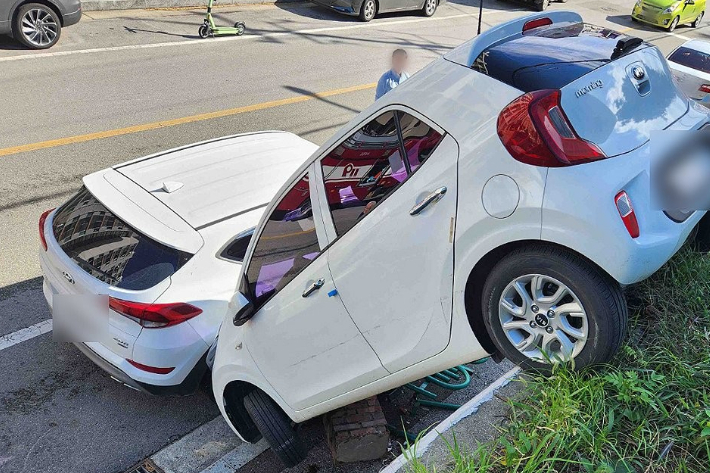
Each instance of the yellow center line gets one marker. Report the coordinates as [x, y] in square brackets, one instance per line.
[178, 121]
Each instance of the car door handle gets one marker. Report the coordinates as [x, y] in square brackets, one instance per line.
[313, 287]
[428, 200]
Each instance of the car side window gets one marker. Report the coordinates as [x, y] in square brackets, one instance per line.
[368, 166]
[286, 246]
[237, 248]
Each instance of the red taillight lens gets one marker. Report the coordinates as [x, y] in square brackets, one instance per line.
[535, 130]
[42, 220]
[150, 369]
[155, 315]
[705, 88]
[532, 24]
[628, 216]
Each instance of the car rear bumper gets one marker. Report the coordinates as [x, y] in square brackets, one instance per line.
[188, 386]
[72, 18]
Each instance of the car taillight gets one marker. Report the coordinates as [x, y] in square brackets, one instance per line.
[705, 88]
[532, 24]
[150, 369]
[42, 220]
[628, 216]
[535, 130]
[155, 315]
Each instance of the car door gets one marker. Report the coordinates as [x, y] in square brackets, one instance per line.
[392, 220]
[301, 337]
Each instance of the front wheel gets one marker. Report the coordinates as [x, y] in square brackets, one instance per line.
[240, 27]
[37, 26]
[674, 24]
[429, 7]
[275, 426]
[543, 305]
[697, 21]
[204, 31]
[368, 10]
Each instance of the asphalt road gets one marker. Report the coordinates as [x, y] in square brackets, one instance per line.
[125, 84]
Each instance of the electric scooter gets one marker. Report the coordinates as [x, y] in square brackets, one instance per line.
[210, 29]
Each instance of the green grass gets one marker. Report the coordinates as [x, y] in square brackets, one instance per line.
[649, 411]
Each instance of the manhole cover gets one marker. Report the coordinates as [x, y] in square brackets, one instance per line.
[146, 466]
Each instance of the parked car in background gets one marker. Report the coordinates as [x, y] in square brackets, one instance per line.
[669, 13]
[541, 5]
[690, 64]
[164, 237]
[430, 233]
[366, 10]
[38, 24]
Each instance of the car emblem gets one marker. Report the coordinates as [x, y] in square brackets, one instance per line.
[638, 72]
[68, 277]
[541, 320]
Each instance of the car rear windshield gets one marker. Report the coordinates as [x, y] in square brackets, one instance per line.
[109, 249]
[550, 57]
[691, 58]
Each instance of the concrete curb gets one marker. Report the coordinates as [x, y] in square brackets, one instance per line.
[461, 413]
[101, 5]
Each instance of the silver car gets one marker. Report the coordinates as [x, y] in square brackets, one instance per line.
[38, 24]
[690, 65]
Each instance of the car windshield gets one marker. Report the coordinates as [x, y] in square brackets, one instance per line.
[109, 249]
[691, 58]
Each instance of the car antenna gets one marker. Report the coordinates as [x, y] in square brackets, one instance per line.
[480, 15]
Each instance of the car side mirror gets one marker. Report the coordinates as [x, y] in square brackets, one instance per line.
[245, 311]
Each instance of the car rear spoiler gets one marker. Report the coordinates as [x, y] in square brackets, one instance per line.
[468, 52]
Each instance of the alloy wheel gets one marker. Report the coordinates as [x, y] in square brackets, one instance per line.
[39, 27]
[543, 318]
[430, 7]
[370, 9]
[674, 24]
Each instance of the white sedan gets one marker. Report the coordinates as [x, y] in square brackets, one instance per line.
[162, 238]
[496, 202]
[690, 64]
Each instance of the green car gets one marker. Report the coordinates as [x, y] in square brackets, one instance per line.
[669, 13]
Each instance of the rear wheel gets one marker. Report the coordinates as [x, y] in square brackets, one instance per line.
[697, 21]
[429, 7]
[674, 24]
[240, 27]
[544, 305]
[37, 26]
[368, 10]
[275, 427]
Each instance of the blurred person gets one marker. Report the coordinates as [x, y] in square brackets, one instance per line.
[395, 76]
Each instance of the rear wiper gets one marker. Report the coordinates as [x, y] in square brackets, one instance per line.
[625, 46]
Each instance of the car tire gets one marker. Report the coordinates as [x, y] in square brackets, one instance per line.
[275, 427]
[368, 10]
[429, 7]
[541, 5]
[701, 241]
[697, 21]
[37, 26]
[674, 24]
[600, 324]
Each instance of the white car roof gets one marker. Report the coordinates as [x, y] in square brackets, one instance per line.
[702, 46]
[215, 180]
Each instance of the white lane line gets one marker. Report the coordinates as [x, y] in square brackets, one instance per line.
[211, 448]
[462, 412]
[232, 38]
[6, 341]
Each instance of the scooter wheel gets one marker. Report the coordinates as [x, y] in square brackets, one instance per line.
[240, 27]
[204, 31]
